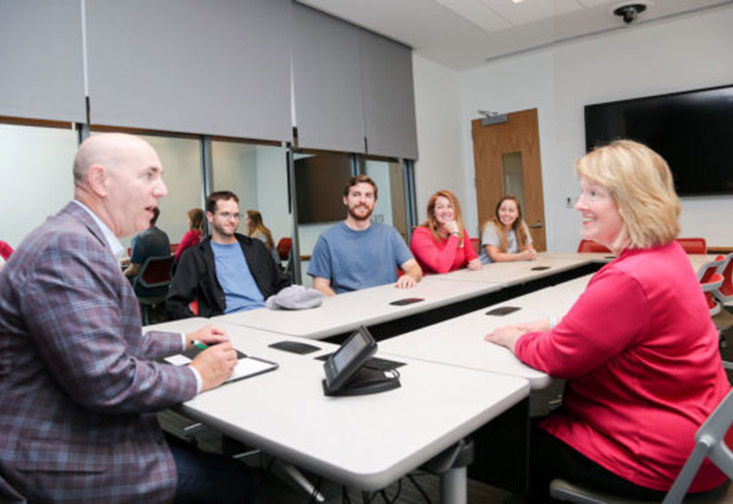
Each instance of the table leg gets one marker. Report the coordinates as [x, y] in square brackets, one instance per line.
[453, 486]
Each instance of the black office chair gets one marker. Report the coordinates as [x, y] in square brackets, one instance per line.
[152, 283]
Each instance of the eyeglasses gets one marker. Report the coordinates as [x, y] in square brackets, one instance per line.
[227, 215]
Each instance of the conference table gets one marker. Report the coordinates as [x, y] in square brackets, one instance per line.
[364, 442]
[460, 341]
[438, 297]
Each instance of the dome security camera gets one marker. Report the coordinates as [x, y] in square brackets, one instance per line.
[629, 12]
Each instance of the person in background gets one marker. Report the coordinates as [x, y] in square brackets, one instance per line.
[359, 253]
[81, 383]
[441, 244]
[5, 250]
[194, 233]
[153, 242]
[505, 237]
[227, 272]
[638, 350]
[257, 229]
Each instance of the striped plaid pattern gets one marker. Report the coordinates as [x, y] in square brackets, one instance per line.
[78, 384]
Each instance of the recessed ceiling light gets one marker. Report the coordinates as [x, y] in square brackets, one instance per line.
[517, 1]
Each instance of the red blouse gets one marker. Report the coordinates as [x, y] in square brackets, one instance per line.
[640, 356]
[443, 255]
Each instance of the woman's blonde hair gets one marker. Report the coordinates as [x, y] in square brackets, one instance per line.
[520, 230]
[432, 222]
[257, 226]
[641, 184]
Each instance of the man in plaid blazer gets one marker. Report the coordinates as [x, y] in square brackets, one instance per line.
[78, 380]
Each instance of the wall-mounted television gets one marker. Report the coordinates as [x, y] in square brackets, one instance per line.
[691, 130]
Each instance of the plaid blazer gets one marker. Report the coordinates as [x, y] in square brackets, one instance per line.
[78, 384]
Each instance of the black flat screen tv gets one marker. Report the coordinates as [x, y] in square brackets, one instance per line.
[691, 130]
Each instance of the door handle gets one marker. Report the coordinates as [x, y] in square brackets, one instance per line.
[536, 225]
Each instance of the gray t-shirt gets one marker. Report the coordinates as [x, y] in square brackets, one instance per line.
[491, 236]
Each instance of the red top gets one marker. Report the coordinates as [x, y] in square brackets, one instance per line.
[5, 250]
[443, 255]
[640, 355]
[190, 239]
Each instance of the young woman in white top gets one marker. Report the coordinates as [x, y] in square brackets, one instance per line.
[505, 237]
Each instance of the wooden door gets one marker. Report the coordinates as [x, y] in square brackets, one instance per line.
[507, 161]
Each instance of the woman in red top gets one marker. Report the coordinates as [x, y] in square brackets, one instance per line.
[638, 350]
[441, 244]
[194, 233]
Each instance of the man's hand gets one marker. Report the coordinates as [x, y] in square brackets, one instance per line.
[210, 335]
[215, 365]
[406, 282]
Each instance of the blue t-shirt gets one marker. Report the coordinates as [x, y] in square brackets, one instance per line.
[354, 260]
[240, 289]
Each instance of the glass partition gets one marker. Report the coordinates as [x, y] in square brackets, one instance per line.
[391, 208]
[36, 173]
[258, 175]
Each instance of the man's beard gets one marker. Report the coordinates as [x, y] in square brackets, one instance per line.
[355, 216]
[222, 232]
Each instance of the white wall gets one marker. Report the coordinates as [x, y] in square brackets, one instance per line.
[439, 135]
[654, 58]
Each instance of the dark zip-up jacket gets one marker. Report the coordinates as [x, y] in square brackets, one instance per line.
[195, 278]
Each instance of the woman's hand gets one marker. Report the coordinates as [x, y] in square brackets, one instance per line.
[474, 264]
[528, 254]
[451, 227]
[506, 336]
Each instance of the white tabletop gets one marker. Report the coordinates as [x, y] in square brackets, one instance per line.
[517, 272]
[365, 442]
[460, 341]
[346, 312]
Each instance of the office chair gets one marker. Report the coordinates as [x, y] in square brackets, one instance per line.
[711, 280]
[591, 246]
[693, 245]
[724, 294]
[155, 274]
[709, 443]
[476, 246]
[283, 248]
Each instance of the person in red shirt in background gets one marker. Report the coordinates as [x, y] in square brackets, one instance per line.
[638, 350]
[194, 233]
[441, 244]
[5, 250]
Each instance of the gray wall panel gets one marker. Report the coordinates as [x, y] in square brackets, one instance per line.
[42, 74]
[327, 80]
[218, 67]
[389, 99]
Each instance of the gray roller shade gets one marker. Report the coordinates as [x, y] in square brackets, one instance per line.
[41, 58]
[389, 99]
[329, 110]
[218, 67]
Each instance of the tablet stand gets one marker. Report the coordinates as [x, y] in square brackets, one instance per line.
[365, 381]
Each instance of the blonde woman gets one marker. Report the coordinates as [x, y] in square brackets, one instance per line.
[441, 244]
[255, 228]
[638, 350]
[505, 237]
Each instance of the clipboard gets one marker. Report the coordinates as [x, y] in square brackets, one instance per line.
[246, 367]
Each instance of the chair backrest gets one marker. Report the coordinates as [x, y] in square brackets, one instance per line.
[156, 271]
[693, 245]
[283, 248]
[725, 291]
[710, 442]
[710, 281]
[475, 243]
[174, 247]
[591, 246]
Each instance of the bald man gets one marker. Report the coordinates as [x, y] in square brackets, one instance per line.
[78, 379]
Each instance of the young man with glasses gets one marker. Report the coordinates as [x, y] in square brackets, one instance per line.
[227, 272]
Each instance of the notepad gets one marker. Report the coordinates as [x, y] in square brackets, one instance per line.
[246, 367]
